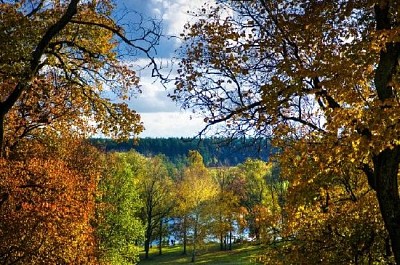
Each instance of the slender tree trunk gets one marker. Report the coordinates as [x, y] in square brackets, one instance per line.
[386, 169]
[194, 240]
[160, 238]
[148, 235]
[2, 147]
[221, 235]
[147, 242]
[184, 235]
[230, 240]
[221, 241]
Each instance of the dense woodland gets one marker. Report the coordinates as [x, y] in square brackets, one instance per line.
[319, 79]
[215, 151]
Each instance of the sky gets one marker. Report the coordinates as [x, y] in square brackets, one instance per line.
[161, 116]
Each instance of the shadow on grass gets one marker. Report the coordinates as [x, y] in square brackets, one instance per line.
[242, 254]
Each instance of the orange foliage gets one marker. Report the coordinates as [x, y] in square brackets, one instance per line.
[47, 207]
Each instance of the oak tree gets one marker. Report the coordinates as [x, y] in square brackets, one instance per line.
[58, 58]
[309, 73]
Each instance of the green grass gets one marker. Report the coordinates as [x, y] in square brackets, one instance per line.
[242, 254]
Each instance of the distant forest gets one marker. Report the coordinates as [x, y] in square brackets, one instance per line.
[215, 151]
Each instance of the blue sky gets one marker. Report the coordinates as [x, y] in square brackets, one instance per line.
[161, 116]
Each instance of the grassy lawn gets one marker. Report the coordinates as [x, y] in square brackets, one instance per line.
[241, 254]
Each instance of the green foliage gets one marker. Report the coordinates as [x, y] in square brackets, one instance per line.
[263, 198]
[155, 189]
[119, 229]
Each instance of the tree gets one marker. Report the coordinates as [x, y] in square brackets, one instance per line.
[119, 227]
[57, 59]
[194, 193]
[226, 204]
[47, 203]
[320, 75]
[254, 201]
[155, 191]
[263, 196]
[337, 213]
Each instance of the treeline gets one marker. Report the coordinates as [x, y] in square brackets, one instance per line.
[215, 151]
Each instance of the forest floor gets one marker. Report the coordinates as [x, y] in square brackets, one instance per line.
[241, 254]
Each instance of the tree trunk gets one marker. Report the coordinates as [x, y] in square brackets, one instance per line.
[160, 238]
[384, 177]
[386, 168]
[148, 236]
[225, 242]
[2, 147]
[184, 235]
[221, 241]
[221, 235]
[230, 240]
[194, 239]
[146, 248]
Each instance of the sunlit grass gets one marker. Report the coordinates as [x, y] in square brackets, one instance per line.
[241, 254]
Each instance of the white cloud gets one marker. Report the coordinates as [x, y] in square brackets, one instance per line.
[154, 96]
[171, 124]
[161, 116]
[175, 12]
[152, 99]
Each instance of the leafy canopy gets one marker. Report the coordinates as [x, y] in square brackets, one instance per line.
[320, 77]
[58, 59]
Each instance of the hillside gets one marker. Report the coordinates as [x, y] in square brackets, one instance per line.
[215, 151]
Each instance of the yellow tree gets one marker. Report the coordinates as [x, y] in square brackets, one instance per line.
[194, 193]
[226, 203]
[336, 213]
[254, 172]
[320, 75]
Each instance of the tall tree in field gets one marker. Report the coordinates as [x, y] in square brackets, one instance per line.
[226, 204]
[155, 190]
[57, 57]
[315, 74]
[120, 229]
[263, 195]
[254, 201]
[194, 194]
